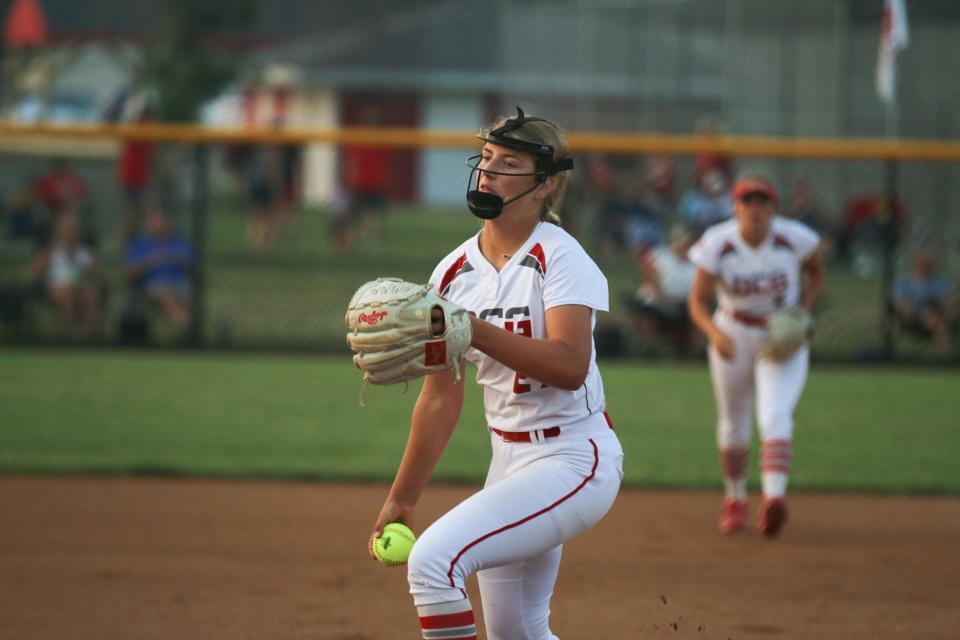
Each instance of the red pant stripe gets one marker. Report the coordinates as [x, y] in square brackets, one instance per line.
[776, 456]
[446, 621]
[593, 472]
[734, 462]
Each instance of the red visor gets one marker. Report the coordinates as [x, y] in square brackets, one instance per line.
[748, 186]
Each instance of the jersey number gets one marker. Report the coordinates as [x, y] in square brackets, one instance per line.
[522, 328]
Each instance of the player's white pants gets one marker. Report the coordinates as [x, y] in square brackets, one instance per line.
[777, 386]
[537, 495]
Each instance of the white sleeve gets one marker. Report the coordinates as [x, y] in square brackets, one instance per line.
[704, 253]
[452, 261]
[437, 276]
[806, 239]
[573, 278]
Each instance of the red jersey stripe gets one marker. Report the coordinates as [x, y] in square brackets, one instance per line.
[780, 241]
[451, 273]
[537, 252]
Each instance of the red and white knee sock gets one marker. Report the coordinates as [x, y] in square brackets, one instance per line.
[775, 467]
[448, 620]
[734, 464]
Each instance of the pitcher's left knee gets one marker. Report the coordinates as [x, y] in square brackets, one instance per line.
[430, 577]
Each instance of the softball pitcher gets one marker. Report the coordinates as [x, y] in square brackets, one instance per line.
[533, 294]
[755, 264]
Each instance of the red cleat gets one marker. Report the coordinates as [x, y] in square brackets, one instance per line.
[733, 516]
[773, 515]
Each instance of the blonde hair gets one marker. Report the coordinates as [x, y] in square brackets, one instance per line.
[544, 132]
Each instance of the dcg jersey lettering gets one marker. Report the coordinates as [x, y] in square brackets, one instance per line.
[760, 283]
[517, 320]
[497, 312]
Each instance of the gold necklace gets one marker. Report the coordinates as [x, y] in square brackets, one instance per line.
[507, 256]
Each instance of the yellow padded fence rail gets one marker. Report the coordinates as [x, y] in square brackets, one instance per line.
[580, 141]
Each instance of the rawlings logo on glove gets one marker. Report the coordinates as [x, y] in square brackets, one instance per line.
[787, 331]
[400, 331]
[372, 318]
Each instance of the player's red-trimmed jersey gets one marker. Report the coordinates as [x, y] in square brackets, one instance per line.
[551, 269]
[756, 280]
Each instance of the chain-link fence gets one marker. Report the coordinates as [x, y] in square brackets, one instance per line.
[283, 228]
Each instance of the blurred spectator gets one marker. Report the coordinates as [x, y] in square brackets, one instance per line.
[341, 226]
[870, 222]
[67, 272]
[57, 192]
[662, 179]
[60, 189]
[600, 175]
[159, 266]
[21, 218]
[644, 222]
[589, 192]
[924, 302]
[290, 190]
[236, 159]
[133, 174]
[803, 207]
[706, 203]
[264, 188]
[707, 161]
[630, 217]
[288, 179]
[659, 306]
[367, 179]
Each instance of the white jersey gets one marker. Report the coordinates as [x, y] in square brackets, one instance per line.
[68, 268]
[756, 280]
[676, 275]
[550, 269]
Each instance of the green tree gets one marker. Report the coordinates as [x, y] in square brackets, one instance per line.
[183, 67]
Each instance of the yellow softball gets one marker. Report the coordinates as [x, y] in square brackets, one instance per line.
[394, 544]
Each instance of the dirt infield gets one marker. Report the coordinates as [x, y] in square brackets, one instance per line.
[112, 558]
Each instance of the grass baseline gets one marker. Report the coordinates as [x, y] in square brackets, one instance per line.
[297, 418]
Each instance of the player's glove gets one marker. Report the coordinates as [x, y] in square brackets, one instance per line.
[787, 331]
[400, 331]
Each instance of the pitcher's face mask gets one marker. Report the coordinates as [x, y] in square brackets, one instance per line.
[488, 205]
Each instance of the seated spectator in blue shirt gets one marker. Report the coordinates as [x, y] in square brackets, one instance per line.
[924, 302]
[159, 264]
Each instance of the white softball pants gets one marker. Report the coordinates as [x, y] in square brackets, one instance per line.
[777, 386]
[511, 533]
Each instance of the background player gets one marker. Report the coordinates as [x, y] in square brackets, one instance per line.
[756, 263]
[557, 464]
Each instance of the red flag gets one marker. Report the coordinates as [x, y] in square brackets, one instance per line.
[894, 37]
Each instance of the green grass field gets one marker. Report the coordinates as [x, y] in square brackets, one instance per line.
[129, 412]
